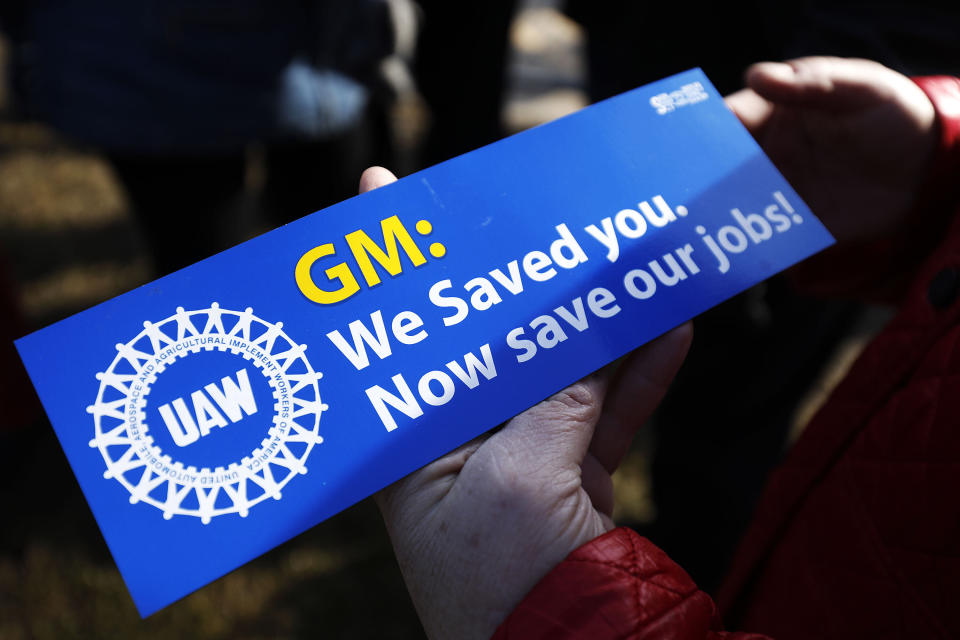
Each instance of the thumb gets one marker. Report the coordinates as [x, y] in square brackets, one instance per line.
[374, 178]
[558, 431]
[822, 82]
[751, 109]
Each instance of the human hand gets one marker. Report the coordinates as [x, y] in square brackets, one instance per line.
[476, 529]
[853, 137]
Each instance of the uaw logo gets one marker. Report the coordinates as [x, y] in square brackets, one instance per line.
[206, 413]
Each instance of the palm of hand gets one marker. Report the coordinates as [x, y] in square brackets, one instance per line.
[513, 505]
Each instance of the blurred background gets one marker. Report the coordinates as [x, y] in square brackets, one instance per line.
[137, 138]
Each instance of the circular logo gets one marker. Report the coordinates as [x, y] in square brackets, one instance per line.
[207, 412]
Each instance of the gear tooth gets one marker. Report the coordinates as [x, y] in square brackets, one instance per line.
[134, 499]
[214, 305]
[319, 375]
[91, 408]
[108, 474]
[93, 443]
[278, 495]
[205, 519]
[180, 310]
[167, 515]
[243, 512]
[119, 347]
[324, 407]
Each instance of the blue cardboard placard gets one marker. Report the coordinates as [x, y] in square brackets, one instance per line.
[218, 411]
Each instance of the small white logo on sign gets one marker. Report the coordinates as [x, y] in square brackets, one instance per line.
[135, 460]
[687, 94]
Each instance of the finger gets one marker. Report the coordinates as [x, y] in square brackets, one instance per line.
[557, 432]
[752, 110]
[640, 386]
[374, 178]
[828, 83]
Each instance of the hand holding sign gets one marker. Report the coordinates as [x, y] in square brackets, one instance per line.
[476, 529]
[854, 138]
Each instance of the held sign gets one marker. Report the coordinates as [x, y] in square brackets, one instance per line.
[215, 413]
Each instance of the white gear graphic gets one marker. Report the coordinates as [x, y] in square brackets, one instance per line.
[152, 476]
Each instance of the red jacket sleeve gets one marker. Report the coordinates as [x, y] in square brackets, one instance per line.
[942, 186]
[617, 586]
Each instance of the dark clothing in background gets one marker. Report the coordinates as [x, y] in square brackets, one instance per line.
[174, 92]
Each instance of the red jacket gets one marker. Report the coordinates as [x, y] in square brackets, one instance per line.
[858, 532]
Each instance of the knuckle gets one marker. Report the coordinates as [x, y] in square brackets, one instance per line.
[580, 402]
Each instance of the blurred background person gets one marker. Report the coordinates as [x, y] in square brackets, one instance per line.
[175, 93]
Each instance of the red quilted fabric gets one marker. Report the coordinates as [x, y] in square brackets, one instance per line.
[618, 586]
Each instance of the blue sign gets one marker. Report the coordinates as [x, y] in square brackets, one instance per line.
[218, 411]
